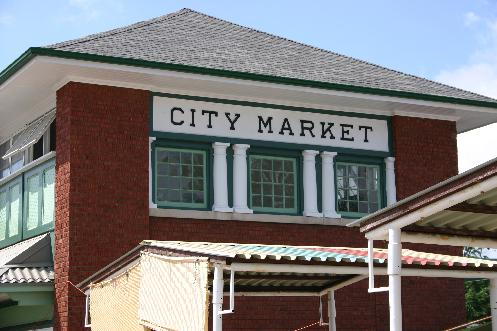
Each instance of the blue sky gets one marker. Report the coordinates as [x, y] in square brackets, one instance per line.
[450, 41]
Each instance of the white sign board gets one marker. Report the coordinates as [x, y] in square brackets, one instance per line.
[259, 123]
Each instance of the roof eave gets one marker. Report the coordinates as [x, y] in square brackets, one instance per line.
[42, 51]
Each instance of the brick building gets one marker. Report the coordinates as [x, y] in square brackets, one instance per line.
[187, 127]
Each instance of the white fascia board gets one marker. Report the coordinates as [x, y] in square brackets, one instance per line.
[242, 82]
[448, 240]
[351, 270]
[381, 232]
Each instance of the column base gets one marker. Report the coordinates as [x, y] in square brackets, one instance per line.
[243, 210]
[222, 209]
[331, 214]
[312, 214]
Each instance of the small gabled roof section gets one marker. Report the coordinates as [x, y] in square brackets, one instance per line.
[464, 205]
[195, 40]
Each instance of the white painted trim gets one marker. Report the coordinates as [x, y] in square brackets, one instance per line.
[28, 167]
[411, 218]
[328, 193]
[162, 72]
[448, 240]
[220, 178]
[87, 323]
[394, 278]
[391, 188]
[217, 298]
[264, 218]
[240, 179]
[310, 185]
[351, 270]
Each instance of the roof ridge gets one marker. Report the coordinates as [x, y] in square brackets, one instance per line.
[335, 53]
[126, 28]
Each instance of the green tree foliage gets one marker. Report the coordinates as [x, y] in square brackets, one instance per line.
[477, 291]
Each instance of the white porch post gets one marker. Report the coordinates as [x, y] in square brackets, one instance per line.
[217, 298]
[310, 187]
[240, 179]
[390, 181]
[220, 178]
[394, 283]
[493, 302]
[328, 185]
[331, 311]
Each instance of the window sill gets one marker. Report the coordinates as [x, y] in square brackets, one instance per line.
[27, 167]
[267, 218]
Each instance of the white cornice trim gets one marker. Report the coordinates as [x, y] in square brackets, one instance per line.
[168, 73]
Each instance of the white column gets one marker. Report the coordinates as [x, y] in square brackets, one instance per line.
[332, 314]
[390, 181]
[217, 298]
[328, 185]
[220, 178]
[394, 284]
[240, 179]
[310, 187]
[151, 203]
[493, 302]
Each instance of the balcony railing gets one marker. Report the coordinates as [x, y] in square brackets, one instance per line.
[27, 201]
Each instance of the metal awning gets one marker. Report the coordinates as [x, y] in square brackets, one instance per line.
[31, 134]
[29, 261]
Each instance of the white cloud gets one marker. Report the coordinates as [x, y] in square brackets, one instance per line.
[6, 19]
[478, 75]
[471, 18]
[91, 10]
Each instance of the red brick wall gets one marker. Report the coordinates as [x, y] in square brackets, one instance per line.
[102, 186]
[102, 212]
[426, 154]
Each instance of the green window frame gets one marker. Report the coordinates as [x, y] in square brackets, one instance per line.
[273, 184]
[11, 212]
[39, 200]
[181, 177]
[359, 188]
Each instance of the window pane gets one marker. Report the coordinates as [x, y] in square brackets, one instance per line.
[3, 215]
[15, 210]
[180, 177]
[17, 161]
[32, 212]
[48, 196]
[357, 188]
[4, 164]
[272, 187]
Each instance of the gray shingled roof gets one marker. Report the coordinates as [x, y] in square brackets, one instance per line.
[191, 38]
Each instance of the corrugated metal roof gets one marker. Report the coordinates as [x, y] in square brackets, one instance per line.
[315, 253]
[27, 275]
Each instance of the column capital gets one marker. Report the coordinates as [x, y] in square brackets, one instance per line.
[220, 145]
[240, 149]
[389, 161]
[309, 153]
[329, 154]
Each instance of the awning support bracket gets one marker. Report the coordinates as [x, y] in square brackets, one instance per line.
[371, 288]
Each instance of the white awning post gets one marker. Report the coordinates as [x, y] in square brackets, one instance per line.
[493, 302]
[217, 298]
[240, 179]
[310, 186]
[331, 311]
[220, 176]
[390, 181]
[394, 280]
[328, 185]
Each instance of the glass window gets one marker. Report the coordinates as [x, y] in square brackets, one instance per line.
[358, 189]
[32, 209]
[181, 178]
[4, 164]
[48, 196]
[3, 215]
[15, 210]
[273, 183]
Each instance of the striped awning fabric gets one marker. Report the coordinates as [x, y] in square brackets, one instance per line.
[317, 253]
